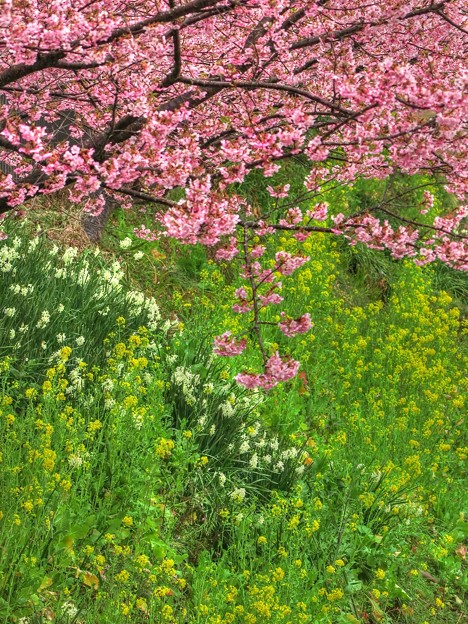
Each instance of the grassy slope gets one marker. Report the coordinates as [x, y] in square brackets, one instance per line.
[146, 527]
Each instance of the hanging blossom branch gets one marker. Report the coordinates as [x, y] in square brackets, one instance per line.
[196, 94]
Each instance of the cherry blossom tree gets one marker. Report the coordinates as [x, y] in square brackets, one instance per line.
[128, 100]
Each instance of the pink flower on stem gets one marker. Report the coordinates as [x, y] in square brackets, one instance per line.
[277, 369]
[293, 327]
[270, 298]
[293, 217]
[280, 191]
[257, 251]
[287, 263]
[229, 252]
[319, 213]
[227, 345]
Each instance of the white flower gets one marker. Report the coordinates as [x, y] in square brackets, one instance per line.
[300, 470]
[136, 298]
[75, 461]
[44, 320]
[221, 478]
[152, 310]
[138, 255]
[12, 334]
[83, 276]
[253, 463]
[212, 429]
[80, 341]
[10, 311]
[126, 243]
[24, 328]
[238, 494]
[167, 326]
[208, 388]
[148, 377]
[108, 385]
[33, 244]
[226, 409]
[69, 255]
[44, 345]
[244, 447]
[60, 273]
[69, 609]
[60, 307]
[61, 338]
[290, 453]
[138, 421]
[113, 276]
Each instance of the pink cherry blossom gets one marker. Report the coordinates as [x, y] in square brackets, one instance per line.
[277, 370]
[287, 263]
[319, 213]
[292, 327]
[228, 346]
[174, 105]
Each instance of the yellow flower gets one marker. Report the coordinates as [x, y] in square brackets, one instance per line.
[278, 575]
[65, 353]
[28, 506]
[335, 594]
[164, 448]
[262, 540]
[141, 604]
[122, 577]
[282, 552]
[142, 561]
[127, 521]
[94, 425]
